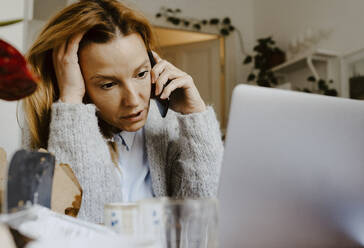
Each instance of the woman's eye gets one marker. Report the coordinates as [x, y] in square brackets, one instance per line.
[108, 85]
[142, 74]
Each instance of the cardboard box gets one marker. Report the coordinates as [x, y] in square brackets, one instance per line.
[66, 191]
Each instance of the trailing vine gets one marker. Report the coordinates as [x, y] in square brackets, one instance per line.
[173, 16]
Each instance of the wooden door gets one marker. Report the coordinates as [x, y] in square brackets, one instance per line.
[201, 60]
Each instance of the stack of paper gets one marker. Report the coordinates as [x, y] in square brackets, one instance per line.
[50, 229]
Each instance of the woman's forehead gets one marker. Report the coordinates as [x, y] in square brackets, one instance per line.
[124, 51]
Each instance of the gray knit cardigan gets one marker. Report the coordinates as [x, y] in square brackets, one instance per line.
[184, 153]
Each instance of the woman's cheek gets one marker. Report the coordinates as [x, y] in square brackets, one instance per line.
[104, 98]
[147, 87]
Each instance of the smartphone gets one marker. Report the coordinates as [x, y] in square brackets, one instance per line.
[162, 104]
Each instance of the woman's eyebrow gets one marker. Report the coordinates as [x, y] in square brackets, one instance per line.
[98, 76]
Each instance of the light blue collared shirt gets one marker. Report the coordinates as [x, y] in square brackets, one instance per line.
[134, 166]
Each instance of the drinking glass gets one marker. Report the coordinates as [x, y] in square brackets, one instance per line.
[187, 223]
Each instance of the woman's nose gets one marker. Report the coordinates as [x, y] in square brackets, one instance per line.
[130, 97]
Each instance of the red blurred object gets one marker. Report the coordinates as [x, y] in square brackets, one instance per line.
[16, 80]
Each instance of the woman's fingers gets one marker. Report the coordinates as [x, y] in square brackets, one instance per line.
[58, 52]
[158, 69]
[156, 57]
[67, 51]
[189, 101]
[159, 66]
[163, 79]
[68, 72]
[73, 44]
[162, 72]
[180, 82]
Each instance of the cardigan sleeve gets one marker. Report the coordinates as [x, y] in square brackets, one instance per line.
[75, 139]
[74, 136]
[197, 162]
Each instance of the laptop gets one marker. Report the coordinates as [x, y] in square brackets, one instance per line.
[293, 171]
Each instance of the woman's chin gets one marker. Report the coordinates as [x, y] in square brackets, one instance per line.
[133, 127]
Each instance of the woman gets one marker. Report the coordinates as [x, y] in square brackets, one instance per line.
[93, 110]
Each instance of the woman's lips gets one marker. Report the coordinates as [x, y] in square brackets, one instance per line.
[134, 117]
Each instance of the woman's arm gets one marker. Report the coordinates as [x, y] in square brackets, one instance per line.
[197, 159]
[75, 139]
[74, 136]
[195, 147]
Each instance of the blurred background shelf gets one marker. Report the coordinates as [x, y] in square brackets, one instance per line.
[319, 55]
[319, 63]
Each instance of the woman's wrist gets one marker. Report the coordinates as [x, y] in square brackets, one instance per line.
[196, 106]
[196, 109]
[71, 99]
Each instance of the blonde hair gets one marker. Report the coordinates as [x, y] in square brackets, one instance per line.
[102, 20]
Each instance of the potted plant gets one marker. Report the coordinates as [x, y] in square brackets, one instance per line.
[323, 87]
[267, 55]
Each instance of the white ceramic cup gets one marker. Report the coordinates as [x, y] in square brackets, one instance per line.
[122, 218]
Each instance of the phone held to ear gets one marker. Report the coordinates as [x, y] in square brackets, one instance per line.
[162, 104]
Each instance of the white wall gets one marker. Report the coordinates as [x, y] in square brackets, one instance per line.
[286, 19]
[9, 129]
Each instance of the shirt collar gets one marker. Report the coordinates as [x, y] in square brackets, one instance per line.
[127, 139]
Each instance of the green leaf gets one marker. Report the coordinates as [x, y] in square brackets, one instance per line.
[331, 92]
[263, 83]
[311, 79]
[224, 32]
[307, 90]
[322, 85]
[251, 77]
[197, 26]
[6, 23]
[214, 21]
[248, 60]
[174, 20]
[226, 20]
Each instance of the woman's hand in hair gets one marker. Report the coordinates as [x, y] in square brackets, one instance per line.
[69, 77]
[182, 92]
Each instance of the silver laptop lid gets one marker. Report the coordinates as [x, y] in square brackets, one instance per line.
[293, 171]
